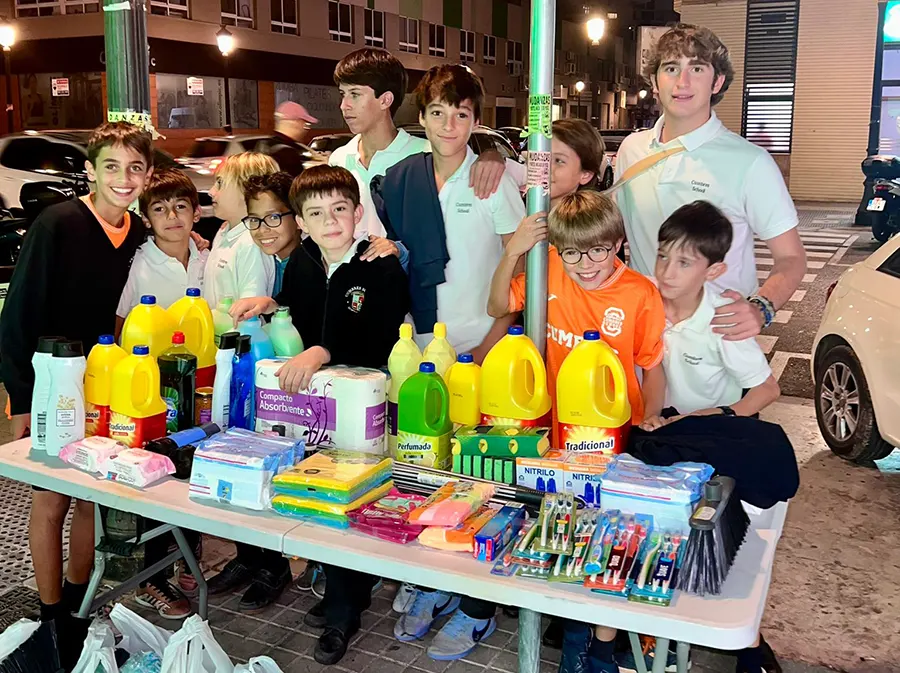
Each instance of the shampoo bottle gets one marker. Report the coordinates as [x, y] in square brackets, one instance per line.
[40, 398]
[65, 411]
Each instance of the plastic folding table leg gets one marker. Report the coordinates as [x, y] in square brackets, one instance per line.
[683, 654]
[98, 570]
[661, 655]
[529, 641]
[637, 652]
[188, 555]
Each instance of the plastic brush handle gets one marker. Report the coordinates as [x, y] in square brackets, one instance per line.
[716, 494]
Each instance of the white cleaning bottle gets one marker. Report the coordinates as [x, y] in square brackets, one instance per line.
[65, 411]
[40, 396]
[221, 400]
[439, 351]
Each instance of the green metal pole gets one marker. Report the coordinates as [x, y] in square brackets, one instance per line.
[540, 105]
[127, 61]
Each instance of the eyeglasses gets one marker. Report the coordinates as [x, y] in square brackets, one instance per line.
[271, 220]
[597, 254]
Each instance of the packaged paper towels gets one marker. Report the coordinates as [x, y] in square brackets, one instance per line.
[344, 407]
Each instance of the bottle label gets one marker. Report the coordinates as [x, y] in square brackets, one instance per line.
[586, 439]
[173, 401]
[65, 418]
[134, 432]
[42, 427]
[96, 420]
[424, 450]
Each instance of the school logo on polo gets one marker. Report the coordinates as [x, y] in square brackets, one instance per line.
[355, 297]
[463, 208]
[612, 321]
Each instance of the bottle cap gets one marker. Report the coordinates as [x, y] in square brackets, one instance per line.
[243, 344]
[465, 358]
[192, 292]
[283, 312]
[440, 330]
[516, 330]
[592, 335]
[406, 331]
[141, 350]
[148, 299]
[67, 349]
[228, 341]
[427, 368]
[45, 344]
[106, 340]
[178, 338]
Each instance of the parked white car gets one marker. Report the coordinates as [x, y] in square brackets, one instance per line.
[856, 359]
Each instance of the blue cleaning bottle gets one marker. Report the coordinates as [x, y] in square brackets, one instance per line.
[260, 343]
[243, 387]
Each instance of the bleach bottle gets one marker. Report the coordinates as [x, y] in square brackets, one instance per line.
[65, 410]
[243, 372]
[285, 338]
[514, 383]
[424, 425]
[464, 383]
[193, 318]
[260, 343]
[439, 351]
[403, 362]
[137, 411]
[148, 324]
[98, 385]
[222, 321]
[221, 401]
[592, 408]
[40, 396]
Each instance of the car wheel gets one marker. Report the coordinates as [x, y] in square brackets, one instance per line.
[844, 408]
[608, 178]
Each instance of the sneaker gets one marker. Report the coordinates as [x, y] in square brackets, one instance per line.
[265, 590]
[769, 661]
[168, 601]
[306, 579]
[427, 608]
[403, 601]
[459, 637]
[234, 576]
[626, 662]
[317, 585]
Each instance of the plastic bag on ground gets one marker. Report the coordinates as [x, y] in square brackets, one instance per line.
[259, 665]
[138, 634]
[99, 652]
[194, 650]
[15, 635]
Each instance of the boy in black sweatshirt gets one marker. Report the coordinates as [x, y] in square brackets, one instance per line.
[68, 280]
[349, 312]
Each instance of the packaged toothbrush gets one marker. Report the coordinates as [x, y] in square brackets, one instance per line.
[452, 503]
[388, 518]
[533, 572]
[626, 546]
[655, 581]
[556, 524]
[570, 569]
[601, 544]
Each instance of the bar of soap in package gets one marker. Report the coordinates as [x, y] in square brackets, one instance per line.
[138, 467]
[89, 454]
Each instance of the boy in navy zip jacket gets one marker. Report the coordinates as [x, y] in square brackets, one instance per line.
[349, 312]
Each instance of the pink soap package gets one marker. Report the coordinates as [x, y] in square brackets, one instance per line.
[388, 518]
[91, 453]
[138, 467]
[452, 504]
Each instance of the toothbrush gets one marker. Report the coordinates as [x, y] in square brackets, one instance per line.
[656, 542]
[547, 507]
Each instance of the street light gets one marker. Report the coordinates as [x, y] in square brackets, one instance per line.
[579, 86]
[642, 94]
[225, 40]
[7, 40]
[596, 27]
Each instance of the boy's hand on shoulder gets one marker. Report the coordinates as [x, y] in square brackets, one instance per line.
[738, 320]
[379, 247]
[201, 243]
[21, 424]
[486, 173]
[250, 307]
[531, 231]
[296, 374]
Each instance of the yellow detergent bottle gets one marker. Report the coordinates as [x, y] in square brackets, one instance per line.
[137, 410]
[98, 385]
[514, 383]
[464, 383]
[192, 317]
[403, 362]
[148, 324]
[439, 351]
[592, 399]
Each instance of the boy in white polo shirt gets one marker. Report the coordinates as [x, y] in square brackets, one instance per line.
[690, 71]
[168, 262]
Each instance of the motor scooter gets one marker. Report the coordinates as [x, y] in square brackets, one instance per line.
[884, 209]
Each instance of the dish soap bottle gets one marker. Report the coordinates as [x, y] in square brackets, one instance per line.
[424, 425]
[285, 338]
[439, 351]
[177, 381]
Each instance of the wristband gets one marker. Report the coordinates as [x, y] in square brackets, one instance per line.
[766, 307]
[727, 411]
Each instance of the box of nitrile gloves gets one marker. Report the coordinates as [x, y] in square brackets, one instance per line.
[497, 533]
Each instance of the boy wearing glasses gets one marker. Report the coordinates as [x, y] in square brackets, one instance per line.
[271, 221]
[589, 288]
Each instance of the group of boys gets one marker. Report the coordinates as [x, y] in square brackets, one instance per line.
[395, 229]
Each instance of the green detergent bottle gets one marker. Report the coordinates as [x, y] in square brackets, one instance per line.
[222, 322]
[285, 338]
[424, 427]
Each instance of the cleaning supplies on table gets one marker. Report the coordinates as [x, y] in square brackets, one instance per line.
[403, 362]
[557, 524]
[180, 447]
[237, 467]
[439, 351]
[65, 407]
[570, 568]
[137, 411]
[101, 361]
[334, 475]
[583, 475]
[514, 383]
[388, 518]
[452, 503]
[618, 544]
[327, 513]
[519, 558]
[286, 340]
[592, 406]
[148, 324]
[40, 396]
[240, 413]
[494, 536]
[546, 473]
[193, 318]
[260, 343]
[658, 566]
[342, 407]
[464, 383]
[462, 537]
[222, 320]
[490, 451]
[138, 467]
[221, 400]
[177, 379]
[90, 454]
[424, 425]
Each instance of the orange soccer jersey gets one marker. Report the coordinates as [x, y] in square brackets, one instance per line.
[627, 311]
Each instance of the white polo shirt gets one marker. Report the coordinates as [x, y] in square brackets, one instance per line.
[473, 229]
[718, 166]
[346, 259]
[347, 156]
[237, 267]
[703, 370]
[154, 272]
